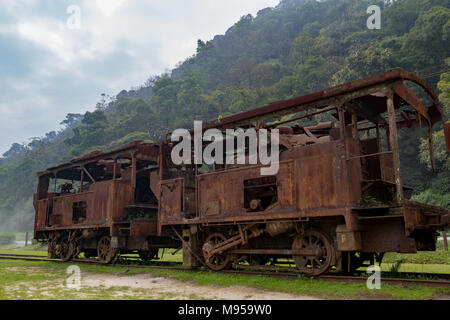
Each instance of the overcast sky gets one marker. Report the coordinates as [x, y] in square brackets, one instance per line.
[48, 69]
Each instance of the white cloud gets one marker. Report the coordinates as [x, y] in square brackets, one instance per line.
[48, 70]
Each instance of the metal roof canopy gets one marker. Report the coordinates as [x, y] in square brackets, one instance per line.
[374, 87]
[126, 151]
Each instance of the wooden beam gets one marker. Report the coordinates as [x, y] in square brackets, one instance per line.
[444, 237]
[82, 180]
[115, 169]
[394, 145]
[133, 171]
[355, 126]
[89, 175]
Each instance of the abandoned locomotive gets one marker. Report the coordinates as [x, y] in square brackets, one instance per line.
[336, 201]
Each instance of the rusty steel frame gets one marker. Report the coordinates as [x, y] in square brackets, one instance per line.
[329, 96]
[321, 181]
[345, 100]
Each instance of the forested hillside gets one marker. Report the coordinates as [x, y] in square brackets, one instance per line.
[298, 47]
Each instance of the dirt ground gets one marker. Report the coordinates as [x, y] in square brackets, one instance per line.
[173, 289]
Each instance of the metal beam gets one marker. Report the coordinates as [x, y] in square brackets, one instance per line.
[394, 145]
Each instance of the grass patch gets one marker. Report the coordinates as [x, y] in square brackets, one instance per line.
[440, 256]
[26, 280]
[421, 268]
[309, 287]
[46, 280]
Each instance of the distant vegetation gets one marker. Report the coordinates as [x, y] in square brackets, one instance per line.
[296, 48]
[7, 238]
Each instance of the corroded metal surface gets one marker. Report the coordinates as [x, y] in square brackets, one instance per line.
[339, 182]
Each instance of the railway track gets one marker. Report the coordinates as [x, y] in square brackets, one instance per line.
[406, 279]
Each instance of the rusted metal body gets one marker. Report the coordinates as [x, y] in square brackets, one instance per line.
[102, 194]
[331, 178]
[336, 200]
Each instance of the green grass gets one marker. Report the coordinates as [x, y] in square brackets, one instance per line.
[308, 287]
[440, 256]
[415, 267]
[35, 250]
[45, 280]
[426, 262]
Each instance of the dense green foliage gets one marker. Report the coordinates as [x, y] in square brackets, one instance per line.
[296, 48]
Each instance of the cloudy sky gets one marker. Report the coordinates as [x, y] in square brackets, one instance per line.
[49, 68]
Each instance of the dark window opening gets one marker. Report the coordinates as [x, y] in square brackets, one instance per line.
[260, 194]
[143, 192]
[79, 211]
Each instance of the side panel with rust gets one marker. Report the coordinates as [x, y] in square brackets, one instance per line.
[325, 179]
[122, 195]
[222, 193]
[171, 203]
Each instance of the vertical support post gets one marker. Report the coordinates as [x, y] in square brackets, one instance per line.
[378, 138]
[387, 138]
[354, 126]
[394, 145]
[431, 146]
[26, 239]
[444, 236]
[380, 147]
[346, 167]
[341, 121]
[115, 169]
[197, 193]
[192, 249]
[133, 173]
[82, 180]
[53, 199]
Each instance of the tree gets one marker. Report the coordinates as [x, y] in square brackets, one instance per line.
[431, 30]
[439, 189]
[71, 120]
[15, 149]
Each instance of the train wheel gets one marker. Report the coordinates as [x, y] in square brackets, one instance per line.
[323, 249]
[216, 261]
[148, 255]
[105, 253]
[52, 243]
[66, 251]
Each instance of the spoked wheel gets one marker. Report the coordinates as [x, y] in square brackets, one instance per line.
[66, 251]
[322, 248]
[218, 261]
[148, 255]
[105, 253]
[52, 243]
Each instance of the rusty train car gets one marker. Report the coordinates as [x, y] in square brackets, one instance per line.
[337, 200]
